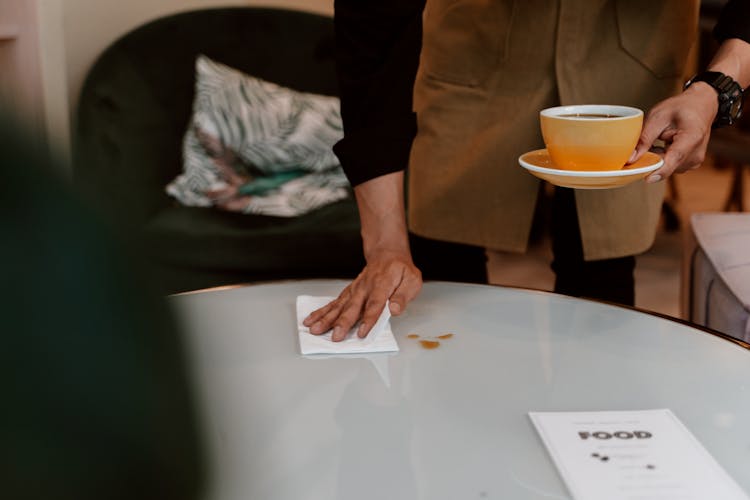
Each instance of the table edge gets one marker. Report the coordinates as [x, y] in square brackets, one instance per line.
[684, 322]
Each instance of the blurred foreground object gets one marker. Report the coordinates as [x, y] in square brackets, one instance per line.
[96, 394]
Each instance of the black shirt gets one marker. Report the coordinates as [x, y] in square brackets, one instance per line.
[734, 21]
[378, 45]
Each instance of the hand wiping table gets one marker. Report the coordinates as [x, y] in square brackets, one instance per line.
[380, 338]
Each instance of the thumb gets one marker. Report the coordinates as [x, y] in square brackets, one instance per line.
[396, 306]
[654, 126]
[406, 291]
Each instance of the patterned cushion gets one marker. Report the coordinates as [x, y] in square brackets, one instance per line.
[255, 147]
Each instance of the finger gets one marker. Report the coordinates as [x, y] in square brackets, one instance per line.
[318, 313]
[676, 155]
[382, 287]
[666, 137]
[373, 310]
[325, 321]
[406, 292]
[654, 126]
[346, 320]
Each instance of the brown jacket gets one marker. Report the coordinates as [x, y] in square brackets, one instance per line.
[489, 66]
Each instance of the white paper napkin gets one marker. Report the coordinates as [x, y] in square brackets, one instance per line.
[380, 338]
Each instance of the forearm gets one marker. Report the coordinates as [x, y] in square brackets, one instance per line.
[732, 31]
[382, 215]
[733, 59]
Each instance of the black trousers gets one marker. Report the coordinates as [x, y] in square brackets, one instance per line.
[611, 280]
[443, 261]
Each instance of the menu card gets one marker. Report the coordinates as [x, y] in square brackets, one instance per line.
[629, 455]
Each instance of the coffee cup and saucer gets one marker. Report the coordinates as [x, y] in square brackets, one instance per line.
[588, 147]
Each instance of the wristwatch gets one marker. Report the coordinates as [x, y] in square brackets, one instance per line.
[729, 92]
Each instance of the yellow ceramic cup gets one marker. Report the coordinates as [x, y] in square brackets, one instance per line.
[590, 136]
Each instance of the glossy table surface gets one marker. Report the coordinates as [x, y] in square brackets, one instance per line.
[449, 422]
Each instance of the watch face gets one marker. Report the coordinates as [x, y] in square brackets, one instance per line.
[734, 108]
[735, 111]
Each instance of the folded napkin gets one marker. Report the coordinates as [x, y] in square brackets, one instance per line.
[380, 338]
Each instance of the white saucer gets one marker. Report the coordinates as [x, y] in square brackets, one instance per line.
[539, 163]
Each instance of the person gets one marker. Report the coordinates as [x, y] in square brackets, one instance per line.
[485, 69]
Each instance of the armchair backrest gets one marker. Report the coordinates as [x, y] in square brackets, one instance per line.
[137, 98]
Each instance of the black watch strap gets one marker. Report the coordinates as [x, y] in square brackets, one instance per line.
[729, 93]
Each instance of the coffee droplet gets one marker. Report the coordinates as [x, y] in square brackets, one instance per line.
[413, 336]
[430, 344]
[445, 336]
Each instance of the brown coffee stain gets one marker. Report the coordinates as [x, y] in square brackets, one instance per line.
[431, 344]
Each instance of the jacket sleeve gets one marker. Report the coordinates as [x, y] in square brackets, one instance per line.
[377, 50]
[734, 21]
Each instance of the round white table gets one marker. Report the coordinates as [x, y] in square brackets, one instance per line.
[444, 423]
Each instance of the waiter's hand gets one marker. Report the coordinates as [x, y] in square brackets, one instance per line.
[390, 274]
[387, 276]
[683, 122]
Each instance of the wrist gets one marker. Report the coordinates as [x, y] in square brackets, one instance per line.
[382, 254]
[726, 102]
[704, 93]
[391, 241]
[383, 217]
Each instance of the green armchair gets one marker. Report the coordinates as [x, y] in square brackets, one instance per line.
[133, 111]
